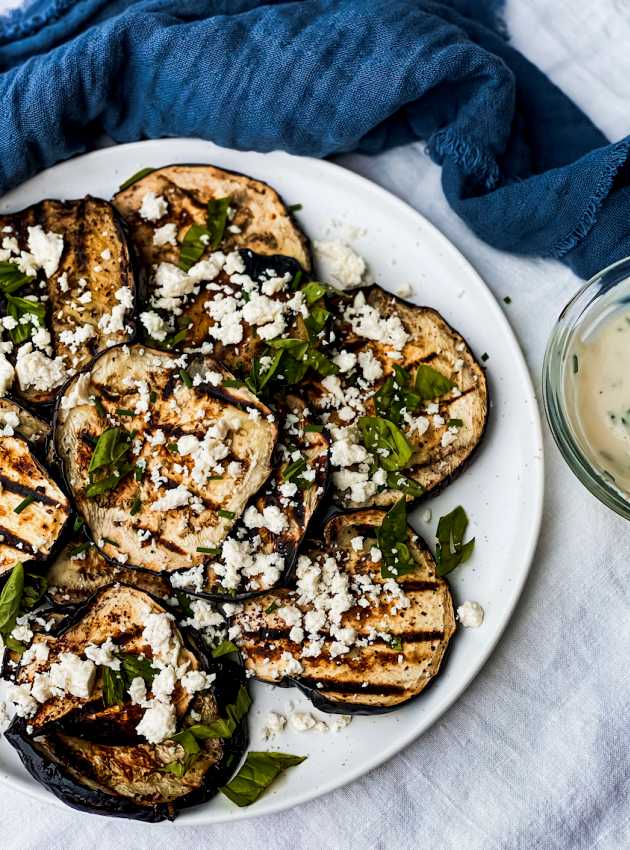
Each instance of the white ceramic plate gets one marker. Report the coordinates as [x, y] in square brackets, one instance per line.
[502, 490]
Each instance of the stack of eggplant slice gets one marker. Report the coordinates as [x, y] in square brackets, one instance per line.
[206, 449]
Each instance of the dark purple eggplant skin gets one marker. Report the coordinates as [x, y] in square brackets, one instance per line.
[230, 676]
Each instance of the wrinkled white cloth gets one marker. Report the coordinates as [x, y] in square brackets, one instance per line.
[535, 754]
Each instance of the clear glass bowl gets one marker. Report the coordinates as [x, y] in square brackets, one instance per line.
[604, 293]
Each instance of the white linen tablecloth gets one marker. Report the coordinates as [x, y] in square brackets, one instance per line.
[535, 753]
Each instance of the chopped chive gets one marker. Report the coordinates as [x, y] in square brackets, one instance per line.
[232, 382]
[485, 356]
[205, 550]
[24, 504]
[78, 523]
[98, 404]
[507, 299]
[273, 607]
[139, 473]
[295, 283]
[79, 549]
[123, 411]
[226, 514]
[295, 207]
[455, 423]
[183, 374]
[317, 429]
[110, 541]
[575, 364]
[153, 396]
[216, 478]
[135, 506]
[172, 448]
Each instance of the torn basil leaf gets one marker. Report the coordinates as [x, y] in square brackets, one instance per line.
[430, 383]
[109, 460]
[224, 648]
[392, 541]
[451, 551]
[10, 599]
[193, 245]
[258, 772]
[217, 219]
[398, 481]
[386, 442]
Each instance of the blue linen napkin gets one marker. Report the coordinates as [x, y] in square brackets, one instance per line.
[521, 165]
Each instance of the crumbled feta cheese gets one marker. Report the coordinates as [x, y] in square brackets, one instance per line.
[271, 518]
[104, 655]
[339, 264]
[153, 207]
[158, 723]
[165, 235]
[155, 325]
[172, 499]
[366, 321]
[73, 675]
[46, 249]
[35, 370]
[274, 724]
[470, 615]
[7, 375]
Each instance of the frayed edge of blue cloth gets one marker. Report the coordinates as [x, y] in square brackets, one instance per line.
[19, 24]
[472, 159]
[618, 157]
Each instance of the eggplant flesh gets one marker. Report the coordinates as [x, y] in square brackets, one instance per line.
[32, 428]
[297, 510]
[89, 755]
[90, 293]
[33, 509]
[132, 781]
[443, 432]
[399, 645]
[79, 570]
[176, 512]
[260, 220]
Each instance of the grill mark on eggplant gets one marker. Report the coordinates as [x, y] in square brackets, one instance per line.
[172, 547]
[16, 542]
[22, 490]
[349, 687]
[419, 636]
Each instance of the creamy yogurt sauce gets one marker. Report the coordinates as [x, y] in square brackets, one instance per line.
[598, 395]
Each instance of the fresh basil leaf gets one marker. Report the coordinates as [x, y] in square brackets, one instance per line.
[398, 481]
[110, 482]
[224, 648]
[258, 378]
[217, 219]
[112, 445]
[297, 347]
[135, 177]
[313, 291]
[392, 541]
[35, 586]
[194, 243]
[293, 470]
[113, 687]
[430, 383]
[451, 551]
[188, 741]
[10, 599]
[134, 667]
[258, 772]
[316, 320]
[224, 727]
[14, 645]
[319, 363]
[386, 442]
[12, 279]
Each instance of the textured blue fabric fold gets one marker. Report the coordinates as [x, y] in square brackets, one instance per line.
[521, 165]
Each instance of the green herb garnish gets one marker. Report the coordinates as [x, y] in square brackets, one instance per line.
[396, 396]
[135, 506]
[430, 383]
[398, 481]
[185, 376]
[295, 207]
[194, 243]
[293, 470]
[217, 219]
[10, 599]
[226, 514]
[313, 429]
[451, 551]
[109, 464]
[117, 682]
[575, 364]
[392, 541]
[12, 279]
[273, 607]
[386, 441]
[135, 178]
[258, 772]
[123, 411]
[23, 504]
[206, 550]
[224, 648]
[455, 423]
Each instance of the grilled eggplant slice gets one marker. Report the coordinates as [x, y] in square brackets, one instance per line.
[33, 509]
[268, 551]
[75, 253]
[80, 570]
[249, 297]
[402, 627]
[19, 420]
[260, 220]
[89, 754]
[442, 432]
[193, 453]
